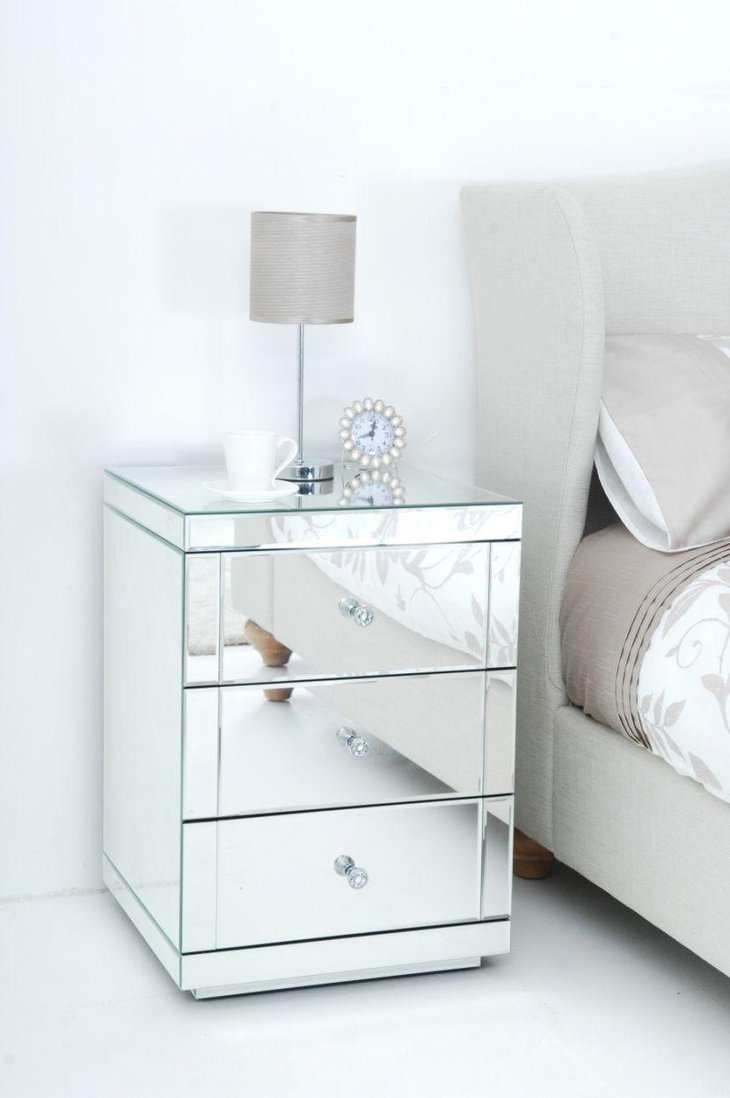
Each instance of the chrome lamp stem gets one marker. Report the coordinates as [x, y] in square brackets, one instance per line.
[300, 431]
[302, 470]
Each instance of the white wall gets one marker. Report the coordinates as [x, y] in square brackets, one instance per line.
[137, 137]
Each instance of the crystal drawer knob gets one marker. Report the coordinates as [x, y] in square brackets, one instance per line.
[358, 746]
[356, 877]
[350, 608]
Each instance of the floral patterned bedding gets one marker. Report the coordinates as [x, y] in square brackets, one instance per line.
[646, 649]
[684, 683]
[430, 590]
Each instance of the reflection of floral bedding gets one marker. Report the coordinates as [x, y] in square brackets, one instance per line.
[684, 682]
[437, 591]
[646, 649]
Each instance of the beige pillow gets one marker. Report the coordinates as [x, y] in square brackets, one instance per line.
[663, 448]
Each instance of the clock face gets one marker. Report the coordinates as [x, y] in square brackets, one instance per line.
[372, 433]
[376, 494]
[374, 489]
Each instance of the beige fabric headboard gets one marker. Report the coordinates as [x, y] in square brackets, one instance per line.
[664, 246]
[552, 268]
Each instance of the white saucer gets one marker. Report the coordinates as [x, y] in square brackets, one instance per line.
[251, 495]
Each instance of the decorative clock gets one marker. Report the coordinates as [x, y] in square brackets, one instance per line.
[376, 489]
[372, 433]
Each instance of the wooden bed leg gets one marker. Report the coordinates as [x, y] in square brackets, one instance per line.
[531, 860]
[273, 654]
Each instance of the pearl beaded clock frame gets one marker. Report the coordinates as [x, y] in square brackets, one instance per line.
[383, 417]
[356, 490]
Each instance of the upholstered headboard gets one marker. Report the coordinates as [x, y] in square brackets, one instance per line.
[553, 268]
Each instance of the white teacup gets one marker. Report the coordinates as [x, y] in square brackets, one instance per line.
[252, 456]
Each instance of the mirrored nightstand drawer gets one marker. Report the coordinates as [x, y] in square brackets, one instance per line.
[324, 874]
[271, 617]
[251, 749]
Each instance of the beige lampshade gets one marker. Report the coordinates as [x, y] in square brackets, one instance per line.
[302, 268]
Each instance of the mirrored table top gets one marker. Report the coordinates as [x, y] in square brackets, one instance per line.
[183, 488]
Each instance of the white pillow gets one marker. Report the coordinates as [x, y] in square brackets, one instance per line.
[663, 447]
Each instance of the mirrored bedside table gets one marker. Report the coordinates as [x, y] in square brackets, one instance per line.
[309, 728]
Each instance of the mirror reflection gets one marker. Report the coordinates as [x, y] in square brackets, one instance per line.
[370, 741]
[354, 612]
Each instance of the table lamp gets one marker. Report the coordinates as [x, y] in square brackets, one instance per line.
[303, 272]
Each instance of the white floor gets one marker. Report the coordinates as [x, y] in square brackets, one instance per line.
[592, 1001]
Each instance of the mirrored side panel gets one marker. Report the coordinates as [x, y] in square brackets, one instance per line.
[327, 744]
[143, 630]
[499, 737]
[504, 604]
[201, 753]
[497, 858]
[354, 612]
[202, 618]
[199, 887]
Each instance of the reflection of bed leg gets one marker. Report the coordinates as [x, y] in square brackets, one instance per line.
[273, 654]
[531, 860]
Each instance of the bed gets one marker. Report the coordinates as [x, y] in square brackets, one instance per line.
[645, 642]
[633, 798]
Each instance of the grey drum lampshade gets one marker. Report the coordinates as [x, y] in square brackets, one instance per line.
[302, 268]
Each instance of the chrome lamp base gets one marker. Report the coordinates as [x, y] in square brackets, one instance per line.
[306, 471]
